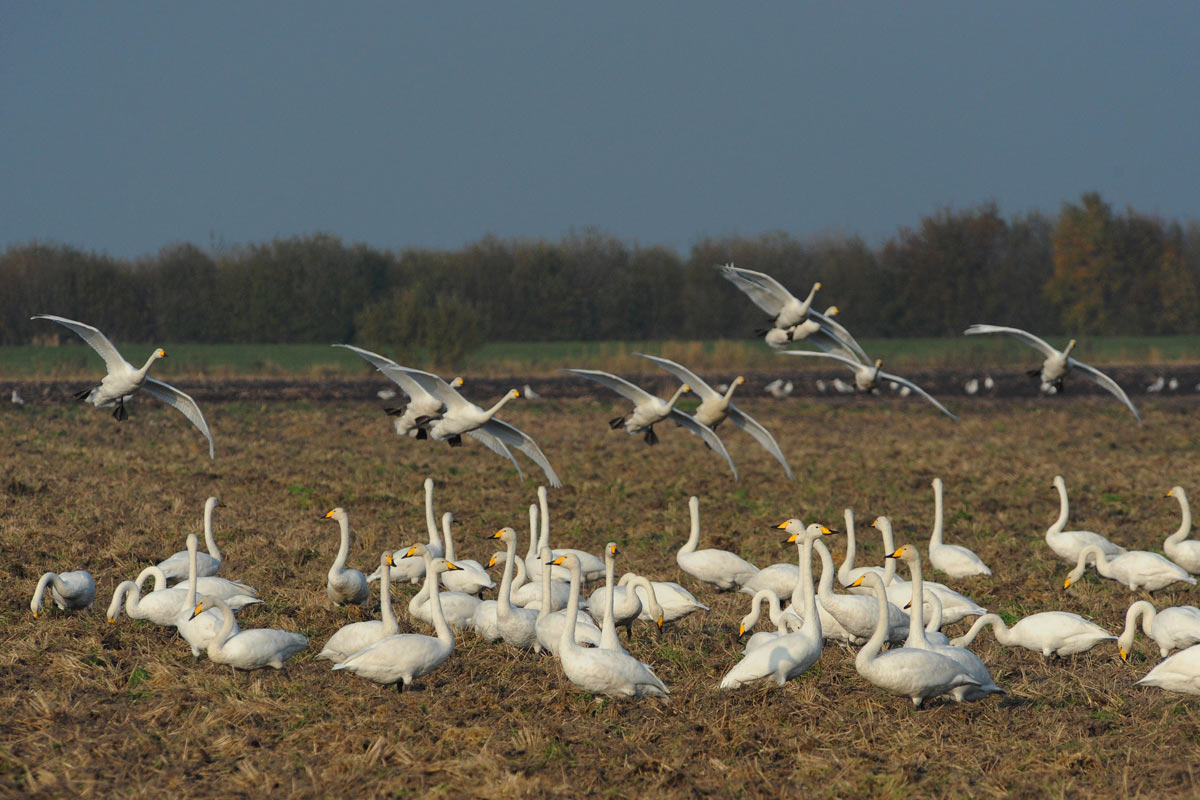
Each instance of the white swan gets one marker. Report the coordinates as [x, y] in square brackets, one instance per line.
[69, 590]
[413, 569]
[351, 638]
[674, 601]
[721, 568]
[649, 410]
[867, 376]
[1177, 627]
[124, 380]
[518, 626]
[854, 612]
[1059, 633]
[470, 577]
[774, 614]
[716, 407]
[176, 565]
[933, 628]
[457, 608]
[209, 585]
[955, 605]
[788, 655]
[1137, 569]
[793, 613]
[197, 629]
[550, 624]
[633, 599]
[1057, 364]
[847, 572]
[345, 586]
[769, 294]
[595, 669]
[1179, 673]
[484, 621]
[954, 560]
[608, 624]
[251, 649]
[160, 607]
[1184, 553]
[1068, 544]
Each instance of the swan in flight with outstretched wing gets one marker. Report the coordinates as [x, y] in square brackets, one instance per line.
[769, 294]
[1057, 364]
[124, 380]
[867, 377]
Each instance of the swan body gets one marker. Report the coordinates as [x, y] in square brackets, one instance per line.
[1178, 673]
[675, 601]
[855, 613]
[209, 585]
[779, 578]
[1068, 544]
[1137, 569]
[774, 614]
[470, 577]
[1183, 552]
[197, 629]
[518, 626]
[1059, 633]
[721, 568]
[351, 638]
[954, 560]
[413, 569]
[161, 607]
[124, 380]
[207, 564]
[345, 586]
[69, 590]
[251, 649]
[1177, 627]
[458, 608]
[869, 376]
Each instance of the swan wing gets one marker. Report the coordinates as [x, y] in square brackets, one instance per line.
[706, 433]
[618, 385]
[685, 375]
[1098, 377]
[849, 362]
[760, 434]
[97, 340]
[766, 292]
[438, 388]
[834, 335]
[183, 403]
[906, 382]
[496, 446]
[1025, 336]
[522, 441]
[391, 370]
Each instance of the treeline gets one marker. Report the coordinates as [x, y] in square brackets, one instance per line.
[1087, 269]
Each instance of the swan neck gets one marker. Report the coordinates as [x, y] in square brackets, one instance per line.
[344, 548]
[825, 586]
[916, 611]
[871, 649]
[1185, 524]
[386, 613]
[547, 567]
[729, 392]
[38, 594]
[503, 600]
[209, 540]
[608, 626]
[190, 602]
[430, 519]
[566, 640]
[491, 412]
[160, 578]
[812, 621]
[936, 539]
[889, 546]
[217, 643]
[533, 532]
[851, 547]
[675, 397]
[444, 635]
[1064, 509]
[694, 532]
[998, 628]
[544, 508]
[447, 539]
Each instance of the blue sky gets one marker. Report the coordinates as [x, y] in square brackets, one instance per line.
[130, 126]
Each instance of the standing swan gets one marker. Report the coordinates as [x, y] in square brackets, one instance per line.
[518, 626]
[345, 586]
[124, 380]
[351, 638]
[70, 591]
[1068, 544]
[251, 649]
[721, 568]
[952, 559]
[1184, 553]
[550, 624]
[207, 564]
[1137, 569]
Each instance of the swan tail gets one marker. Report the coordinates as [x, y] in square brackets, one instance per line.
[616, 422]
[83, 394]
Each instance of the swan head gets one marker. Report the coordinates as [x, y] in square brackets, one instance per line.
[497, 558]
[611, 549]
[1070, 347]
[160, 353]
[442, 565]
[813, 531]
[204, 604]
[1067, 583]
[741, 630]
[566, 560]
[792, 525]
[211, 503]
[1058, 482]
[457, 382]
[513, 393]
[337, 513]
[905, 552]
[418, 550]
[504, 534]
[832, 311]
[387, 558]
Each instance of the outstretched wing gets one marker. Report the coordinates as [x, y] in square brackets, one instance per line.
[618, 385]
[181, 402]
[1025, 336]
[834, 338]
[98, 341]
[496, 446]
[685, 375]
[438, 388]
[522, 441]
[706, 433]
[849, 362]
[1103, 380]
[906, 382]
[761, 435]
[392, 371]
[766, 292]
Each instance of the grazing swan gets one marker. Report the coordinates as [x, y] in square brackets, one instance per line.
[255, 648]
[124, 380]
[518, 626]
[413, 569]
[649, 410]
[674, 602]
[351, 638]
[867, 376]
[1179, 673]
[345, 586]
[176, 566]
[1060, 633]
[1137, 569]
[1068, 544]
[595, 669]
[549, 626]
[716, 407]
[774, 614]
[161, 607]
[1184, 553]
[470, 577]
[401, 658]
[907, 671]
[917, 636]
[1057, 364]
[1177, 627]
[462, 416]
[209, 585]
[789, 654]
[954, 560]
[721, 568]
[69, 590]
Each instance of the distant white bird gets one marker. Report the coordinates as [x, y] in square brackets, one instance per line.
[124, 380]
[1173, 384]
[17, 400]
[867, 377]
[386, 394]
[1156, 385]
[721, 568]
[841, 387]
[1136, 569]
[822, 387]
[988, 383]
[1057, 364]
[530, 393]
[345, 586]
[649, 410]
[779, 389]
[1179, 673]
[971, 386]
[251, 649]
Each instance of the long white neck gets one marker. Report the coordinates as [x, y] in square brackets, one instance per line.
[435, 538]
[141, 373]
[608, 626]
[1102, 564]
[546, 570]
[125, 592]
[652, 604]
[916, 611]
[46, 579]
[935, 615]
[190, 601]
[432, 576]
[533, 533]
[812, 621]
[1185, 525]
[209, 541]
[889, 546]
[386, 613]
[998, 628]
[773, 609]
[694, 534]
[851, 548]
[217, 643]
[825, 586]
[504, 599]
[491, 412]
[160, 578]
[812, 293]
[729, 392]
[936, 539]
[1143, 609]
[447, 539]
[675, 397]
[870, 650]
[544, 539]
[1064, 508]
[566, 640]
[344, 550]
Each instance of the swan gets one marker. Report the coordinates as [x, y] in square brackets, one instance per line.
[787, 655]
[550, 624]
[608, 626]
[69, 590]
[1179, 673]
[780, 578]
[124, 380]
[209, 585]
[401, 658]
[351, 638]
[954, 560]
[591, 566]
[345, 586]
[1177, 627]
[484, 621]
[793, 614]
[721, 568]
[1057, 364]
[867, 375]
[918, 639]
[462, 416]
[161, 607]
[674, 601]
[910, 672]
[207, 564]
[1184, 553]
[518, 626]
[251, 649]
[933, 628]
[786, 309]
[649, 410]
[1068, 544]
[457, 608]
[1137, 569]
[774, 614]
[1060, 633]
[633, 599]
[955, 605]
[470, 577]
[716, 407]
[855, 613]
[197, 629]
[413, 569]
[595, 669]
[847, 573]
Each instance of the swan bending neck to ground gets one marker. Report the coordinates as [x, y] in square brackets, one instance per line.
[1171, 628]
[345, 586]
[1137, 569]
[69, 590]
[1059, 633]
